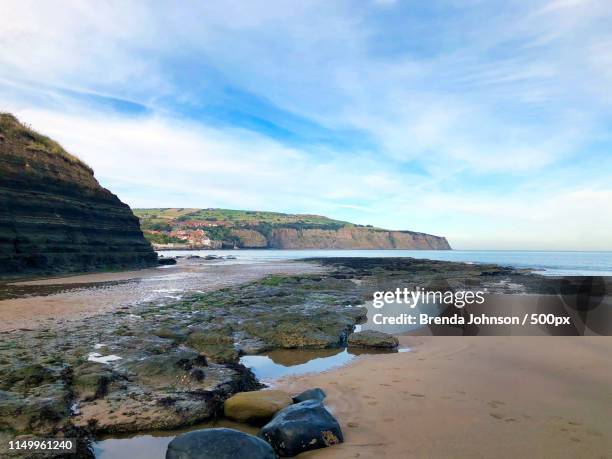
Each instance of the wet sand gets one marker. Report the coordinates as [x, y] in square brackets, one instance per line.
[473, 397]
[81, 296]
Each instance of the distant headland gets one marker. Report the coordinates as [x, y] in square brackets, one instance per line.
[190, 228]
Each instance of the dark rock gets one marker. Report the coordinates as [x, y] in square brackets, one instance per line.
[218, 444]
[91, 380]
[41, 413]
[167, 261]
[311, 394]
[302, 427]
[372, 338]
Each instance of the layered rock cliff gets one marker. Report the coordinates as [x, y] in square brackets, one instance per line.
[353, 238]
[55, 216]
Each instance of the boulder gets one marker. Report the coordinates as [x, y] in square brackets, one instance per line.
[166, 261]
[372, 338]
[311, 394]
[302, 427]
[218, 444]
[256, 407]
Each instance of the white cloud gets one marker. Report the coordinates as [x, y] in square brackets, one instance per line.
[523, 92]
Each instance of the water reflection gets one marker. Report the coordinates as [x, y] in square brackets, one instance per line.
[295, 362]
[153, 444]
[278, 364]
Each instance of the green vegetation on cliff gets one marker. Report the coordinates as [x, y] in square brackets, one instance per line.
[260, 229]
[11, 128]
[151, 217]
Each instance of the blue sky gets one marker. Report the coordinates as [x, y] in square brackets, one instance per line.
[487, 122]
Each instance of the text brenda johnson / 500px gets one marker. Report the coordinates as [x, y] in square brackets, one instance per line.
[472, 319]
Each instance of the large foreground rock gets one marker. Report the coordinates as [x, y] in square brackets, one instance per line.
[373, 339]
[302, 427]
[256, 407]
[218, 444]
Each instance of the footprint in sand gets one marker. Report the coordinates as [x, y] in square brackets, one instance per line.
[418, 395]
[384, 384]
[495, 403]
[372, 403]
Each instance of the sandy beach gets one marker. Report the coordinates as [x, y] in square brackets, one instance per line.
[473, 397]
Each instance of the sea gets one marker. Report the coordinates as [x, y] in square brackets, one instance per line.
[551, 263]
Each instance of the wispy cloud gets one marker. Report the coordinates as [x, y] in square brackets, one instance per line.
[462, 118]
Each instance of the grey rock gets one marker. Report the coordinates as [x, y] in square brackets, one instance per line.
[311, 394]
[218, 444]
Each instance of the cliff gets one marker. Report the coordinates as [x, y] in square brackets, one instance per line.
[206, 228]
[353, 238]
[54, 215]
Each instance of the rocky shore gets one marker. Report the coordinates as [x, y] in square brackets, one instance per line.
[163, 365]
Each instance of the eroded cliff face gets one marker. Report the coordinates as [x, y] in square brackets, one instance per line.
[345, 238]
[55, 216]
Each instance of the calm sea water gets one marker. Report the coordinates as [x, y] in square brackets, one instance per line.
[547, 262]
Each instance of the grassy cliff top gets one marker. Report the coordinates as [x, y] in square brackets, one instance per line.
[236, 217]
[12, 130]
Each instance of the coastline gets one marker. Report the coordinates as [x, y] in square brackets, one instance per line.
[372, 397]
[57, 300]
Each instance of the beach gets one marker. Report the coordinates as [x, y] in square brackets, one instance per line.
[439, 396]
[473, 397]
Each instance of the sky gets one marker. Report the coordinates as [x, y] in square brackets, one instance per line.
[488, 122]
